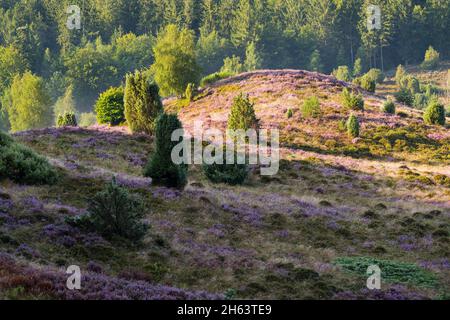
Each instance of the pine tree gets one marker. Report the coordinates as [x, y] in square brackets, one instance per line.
[252, 59]
[242, 116]
[353, 126]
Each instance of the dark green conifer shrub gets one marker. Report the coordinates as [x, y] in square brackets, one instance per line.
[68, 119]
[352, 101]
[242, 114]
[388, 107]
[434, 114]
[353, 126]
[160, 166]
[311, 108]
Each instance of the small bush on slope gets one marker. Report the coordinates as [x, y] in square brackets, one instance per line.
[352, 101]
[110, 107]
[242, 114]
[212, 78]
[160, 166]
[388, 107]
[311, 108]
[114, 212]
[342, 73]
[353, 126]
[391, 271]
[232, 174]
[22, 165]
[404, 96]
[432, 58]
[434, 114]
[68, 119]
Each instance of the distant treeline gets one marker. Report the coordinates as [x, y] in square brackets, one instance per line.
[117, 36]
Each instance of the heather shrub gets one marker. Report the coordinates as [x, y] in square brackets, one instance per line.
[110, 107]
[242, 114]
[22, 165]
[432, 58]
[142, 103]
[404, 96]
[212, 78]
[311, 108]
[342, 73]
[352, 101]
[114, 212]
[435, 113]
[160, 166]
[353, 126]
[388, 107]
[233, 174]
[68, 119]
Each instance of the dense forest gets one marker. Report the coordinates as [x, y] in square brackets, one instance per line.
[118, 36]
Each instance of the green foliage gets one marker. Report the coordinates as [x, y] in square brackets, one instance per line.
[400, 74]
[114, 212]
[435, 114]
[353, 126]
[110, 107]
[376, 75]
[142, 103]
[232, 66]
[233, 174]
[190, 92]
[357, 68]
[404, 96]
[311, 108]
[421, 101]
[212, 78]
[252, 59]
[352, 101]
[67, 119]
[388, 107]
[342, 73]
[160, 166]
[65, 104]
[22, 165]
[211, 50]
[391, 271]
[87, 119]
[12, 63]
[289, 113]
[315, 63]
[175, 61]
[432, 58]
[242, 114]
[29, 105]
[366, 82]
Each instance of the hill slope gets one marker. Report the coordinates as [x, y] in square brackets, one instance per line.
[335, 207]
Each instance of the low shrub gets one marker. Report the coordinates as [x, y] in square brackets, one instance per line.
[342, 73]
[242, 114]
[233, 174]
[434, 114]
[368, 84]
[22, 165]
[289, 113]
[392, 271]
[68, 119]
[388, 107]
[376, 75]
[190, 92]
[353, 126]
[110, 107]
[432, 58]
[352, 101]
[404, 96]
[212, 78]
[114, 212]
[311, 108]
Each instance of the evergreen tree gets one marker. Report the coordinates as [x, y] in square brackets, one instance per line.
[142, 103]
[242, 116]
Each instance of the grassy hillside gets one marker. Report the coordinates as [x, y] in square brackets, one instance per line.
[337, 206]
